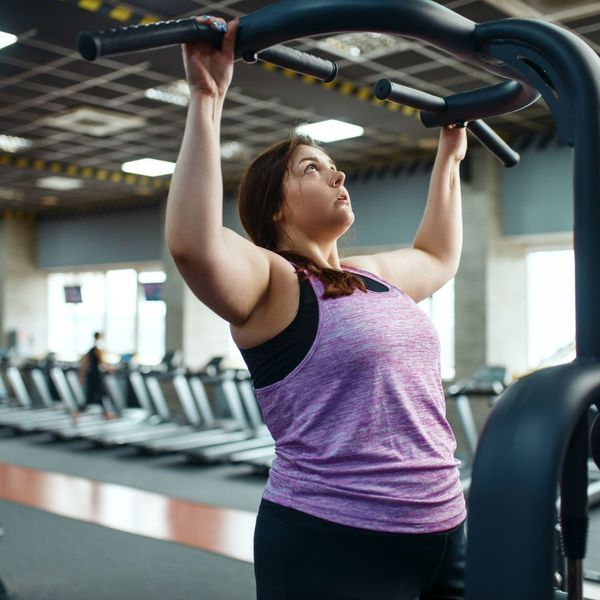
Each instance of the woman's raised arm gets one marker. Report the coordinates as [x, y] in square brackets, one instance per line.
[224, 270]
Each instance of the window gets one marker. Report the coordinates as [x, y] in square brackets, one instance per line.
[124, 304]
[152, 313]
[550, 307]
[72, 324]
[440, 309]
[121, 311]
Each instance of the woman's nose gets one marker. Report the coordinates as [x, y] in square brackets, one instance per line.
[339, 178]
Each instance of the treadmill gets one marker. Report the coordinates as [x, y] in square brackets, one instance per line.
[261, 438]
[487, 383]
[164, 425]
[58, 422]
[214, 431]
[130, 419]
[198, 415]
[28, 418]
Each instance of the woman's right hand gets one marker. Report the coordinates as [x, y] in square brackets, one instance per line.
[208, 70]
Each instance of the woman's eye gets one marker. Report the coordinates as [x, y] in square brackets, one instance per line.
[310, 165]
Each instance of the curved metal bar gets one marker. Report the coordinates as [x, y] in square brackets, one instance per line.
[421, 19]
[568, 73]
[515, 478]
[494, 143]
[285, 21]
[438, 107]
[502, 98]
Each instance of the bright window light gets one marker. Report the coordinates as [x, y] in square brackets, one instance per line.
[149, 166]
[10, 143]
[6, 39]
[59, 183]
[152, 277]
[551, 307]
[330, 131]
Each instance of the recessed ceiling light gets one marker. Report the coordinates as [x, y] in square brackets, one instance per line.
[330, 131]
[6, 39]
[59, 183]
[10, 143]
[149, 166]
[359, 43]
[177, 93]
[94, 121]
[10, 194]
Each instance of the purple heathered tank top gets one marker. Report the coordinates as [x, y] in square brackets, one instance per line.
[360, 428]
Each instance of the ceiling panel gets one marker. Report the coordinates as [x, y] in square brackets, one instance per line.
[43, 75]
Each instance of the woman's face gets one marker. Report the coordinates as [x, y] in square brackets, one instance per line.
[316, 202]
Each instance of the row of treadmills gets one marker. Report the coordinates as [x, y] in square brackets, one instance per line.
[209, 416]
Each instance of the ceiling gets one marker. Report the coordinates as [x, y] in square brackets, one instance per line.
[42, 76]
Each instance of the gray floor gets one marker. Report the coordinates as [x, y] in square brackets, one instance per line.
[233, 487]
[47, 557]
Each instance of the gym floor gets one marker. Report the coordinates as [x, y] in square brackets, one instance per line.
[98, 523]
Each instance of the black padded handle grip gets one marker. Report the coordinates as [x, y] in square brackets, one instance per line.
[92, 44]
[494, 143]
[290, 58]
[430, 104]
[387, 90]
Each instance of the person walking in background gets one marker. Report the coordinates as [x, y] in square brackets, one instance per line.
[92, 366]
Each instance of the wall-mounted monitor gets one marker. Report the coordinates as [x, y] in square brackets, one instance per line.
[153, 292]
[73, 294]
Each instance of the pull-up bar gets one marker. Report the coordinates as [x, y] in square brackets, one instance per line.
[448, 111]
[394, 92]
[93, 45]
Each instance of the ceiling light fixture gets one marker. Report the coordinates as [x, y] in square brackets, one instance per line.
[331, 130]
[6, 39]
[10, 143]
[231, 150]
[149, 166]
[359, 43]
[59, 183]
[94, 121]
[177, 93]
[11, 194]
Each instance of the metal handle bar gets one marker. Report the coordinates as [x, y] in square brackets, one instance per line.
[92, 44]
[433, 105]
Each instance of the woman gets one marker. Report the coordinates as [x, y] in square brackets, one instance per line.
[364, 498]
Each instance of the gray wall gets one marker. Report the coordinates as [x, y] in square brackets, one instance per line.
[119, 237]
[537, 195]
[387, 210]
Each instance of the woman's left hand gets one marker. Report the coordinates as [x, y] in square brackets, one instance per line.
[453, 142]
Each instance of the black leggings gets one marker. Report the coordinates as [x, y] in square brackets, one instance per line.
[301, 557]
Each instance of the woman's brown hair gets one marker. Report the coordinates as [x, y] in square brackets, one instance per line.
[261, 195]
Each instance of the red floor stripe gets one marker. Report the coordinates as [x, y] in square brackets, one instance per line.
[223, 531]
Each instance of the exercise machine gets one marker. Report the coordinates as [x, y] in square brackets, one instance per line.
[536, 438]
